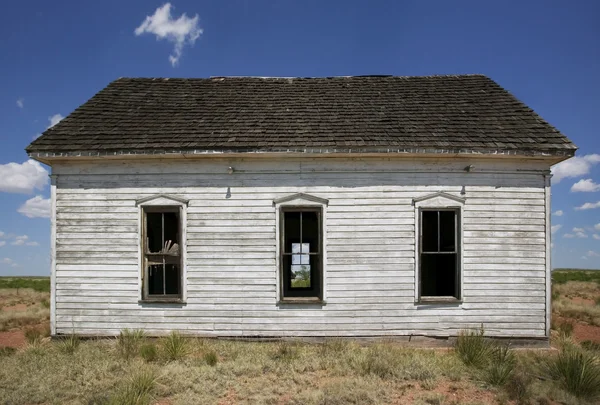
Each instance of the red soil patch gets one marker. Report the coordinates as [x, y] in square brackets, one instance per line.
[583, 301]
[17, 308]
[453, 392]
[14, 339]
[583, 332]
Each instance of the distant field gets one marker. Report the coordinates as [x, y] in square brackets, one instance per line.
[561, 276]
[41, 284]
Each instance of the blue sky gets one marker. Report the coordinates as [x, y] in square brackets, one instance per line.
[56, 55]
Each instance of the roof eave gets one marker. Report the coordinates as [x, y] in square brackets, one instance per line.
[554, 154]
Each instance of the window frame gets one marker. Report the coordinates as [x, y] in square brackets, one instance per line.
[162, 203]
[301, 202]
[440, 202]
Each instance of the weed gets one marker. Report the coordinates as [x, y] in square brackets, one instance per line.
[592, 346]
[128, 342]
[69, 344]
[577, 371]
[137, 390]
[566, 328]
[518, 387]
[211, 358]
[7, 351]
[501, 365]
[472, 347]
[174, 346]
[45, 304]
[285, 350]
[33, 335]
[597, 301]
[149, 352]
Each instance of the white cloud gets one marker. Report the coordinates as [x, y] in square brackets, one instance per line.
[584, 258]
[32, 244]
[22, 178]
[555, 228]
[585, 186]
[10, 262]
[21, 102]
[591, 253]
[558, 213]
[36, 207]
[568, 235]
[588, 206]
[1, 234]
[20, 240]
[575, 167]
[596, 236]
[597, 227]
[2, 243]
[55, 119]
[580, 232]
[181, 31]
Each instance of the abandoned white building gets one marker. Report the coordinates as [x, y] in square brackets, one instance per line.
[344, 206]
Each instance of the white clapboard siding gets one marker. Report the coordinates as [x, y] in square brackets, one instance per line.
[370, 244]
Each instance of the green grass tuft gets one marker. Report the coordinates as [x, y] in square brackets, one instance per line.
[149, 352]
[128, 342]
[69, 344]
[501, 365]
[211, 358]
[472, 347]
[577, 371]
[174, 346]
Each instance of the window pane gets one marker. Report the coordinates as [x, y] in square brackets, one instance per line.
[155, 279]
[310, 232]
[447, 231]
[154, 232]
[171, 232]
[300, 276]
[291, 232]
[438, 275]
[172, 279]
[429, 231]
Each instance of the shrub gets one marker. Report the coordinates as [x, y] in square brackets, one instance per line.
[69, 344]
[577, 371]
[174, 346]
[149, 352]
[472, 347]
[211, 358]
[128, 342]
[501, 365]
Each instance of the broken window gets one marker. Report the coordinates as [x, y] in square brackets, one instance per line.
[301, 256]
[162, 252]
[439, 253]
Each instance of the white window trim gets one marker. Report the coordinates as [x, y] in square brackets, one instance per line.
[439, 200]
[162, 200]
[300, 200]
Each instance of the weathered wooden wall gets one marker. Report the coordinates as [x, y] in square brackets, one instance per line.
[231, 246]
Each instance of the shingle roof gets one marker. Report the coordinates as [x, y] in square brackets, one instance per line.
[469, 113]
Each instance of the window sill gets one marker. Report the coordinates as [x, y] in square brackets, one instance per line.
[172, 301]
[301, 301]
[438, 300]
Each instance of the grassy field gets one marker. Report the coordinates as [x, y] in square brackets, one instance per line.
[135, 369]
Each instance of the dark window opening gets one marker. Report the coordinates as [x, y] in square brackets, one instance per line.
[439, 254]
[301, 254]
[162, 252]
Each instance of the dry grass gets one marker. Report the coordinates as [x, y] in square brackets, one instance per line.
[577, 300]
[22, 307]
